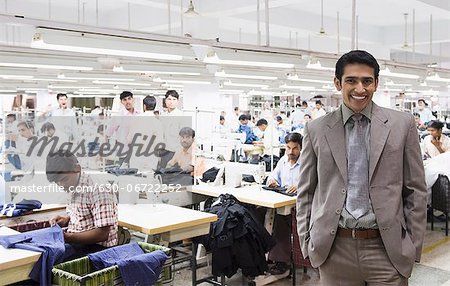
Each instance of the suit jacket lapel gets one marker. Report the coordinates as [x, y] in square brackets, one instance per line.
[379, 133]
[335, 137]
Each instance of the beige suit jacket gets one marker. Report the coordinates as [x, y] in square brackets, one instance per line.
[397, 186]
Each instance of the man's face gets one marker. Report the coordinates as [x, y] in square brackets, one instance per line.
[293, 150]
[222, 122]
[171, 102]
[421, 105]
[243, 122]
[25, 132]
[68, 180]
[186, 141]
[262, 127]
[128, 103]
[9, 119]
[417, 118]
[357, 86]
[62, 101]
[318, 106]
[436, 133]
[50, 132]
[307, 118]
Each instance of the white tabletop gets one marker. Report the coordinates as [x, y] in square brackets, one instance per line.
[12, 257]
[160, 218]
[252, 194]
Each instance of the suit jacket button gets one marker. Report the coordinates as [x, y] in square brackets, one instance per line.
[338, 212]
[333, 232]
[344, 191]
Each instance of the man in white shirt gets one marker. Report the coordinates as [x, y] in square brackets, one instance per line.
[67, 125]
[436, 143]
[121, 124]
[286, 174]
[424, 112]
[172, 122]
[318, 111]
[269, 138]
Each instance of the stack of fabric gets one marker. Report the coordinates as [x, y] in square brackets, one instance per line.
[135, 266]
[20, 208]
[237, 239]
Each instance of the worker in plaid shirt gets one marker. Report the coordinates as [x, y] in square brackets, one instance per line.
[92, 216]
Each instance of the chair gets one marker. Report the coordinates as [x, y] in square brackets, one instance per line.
[440, 199]
[297, 256]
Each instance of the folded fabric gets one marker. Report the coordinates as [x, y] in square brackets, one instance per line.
[110, 256]
[143, 269]
[21, 207]
[49, 241]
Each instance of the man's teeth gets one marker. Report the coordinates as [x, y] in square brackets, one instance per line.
[358, 97]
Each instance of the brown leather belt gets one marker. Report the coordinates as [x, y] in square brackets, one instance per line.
[358, 233]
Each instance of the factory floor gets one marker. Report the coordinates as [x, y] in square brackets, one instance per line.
[433, 269]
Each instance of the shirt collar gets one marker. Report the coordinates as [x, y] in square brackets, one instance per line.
[347, 112]
[286, 161]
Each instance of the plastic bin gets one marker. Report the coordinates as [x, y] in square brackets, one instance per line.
[81, 271]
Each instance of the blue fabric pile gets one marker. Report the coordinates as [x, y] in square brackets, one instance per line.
[136, 267]
[21, 207]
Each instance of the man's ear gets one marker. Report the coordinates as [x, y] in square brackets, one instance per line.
[376, 84]
[337, 84]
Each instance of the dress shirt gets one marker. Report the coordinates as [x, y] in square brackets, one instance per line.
[368, 220]
[431, 150]
[286, 174]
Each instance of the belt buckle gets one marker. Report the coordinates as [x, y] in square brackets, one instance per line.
[354, 233]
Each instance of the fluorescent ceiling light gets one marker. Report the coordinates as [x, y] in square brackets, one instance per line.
[223, 74]
[158, 79]
[437, 78]
[270, 93]
[121, 83]
[230, 91]
[306, 88]
[6, 76]
[297, 78]
[41, 66]
[214, 59]
[172, 85]
[391, 83]
[91, 47]
[73, 87]
[317, 66]
[61, 76]
[388, 73]
[52, 79]
[245, 84]
[7, 90]
[121, 69]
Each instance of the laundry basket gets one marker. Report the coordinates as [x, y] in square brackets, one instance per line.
[82, 272]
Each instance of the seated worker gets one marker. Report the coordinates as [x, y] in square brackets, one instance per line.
[286, 174]
[436, 143]
[92, 216]
[185, 157]
[250, 137]
[269, 138]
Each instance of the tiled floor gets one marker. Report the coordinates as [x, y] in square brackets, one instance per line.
[433, 270]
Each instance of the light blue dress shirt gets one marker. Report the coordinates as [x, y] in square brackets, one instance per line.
[286, 174]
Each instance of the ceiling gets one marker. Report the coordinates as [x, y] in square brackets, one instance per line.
[294, 39]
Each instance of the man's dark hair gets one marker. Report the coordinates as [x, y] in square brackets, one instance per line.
[436, 124]
[28, 124]
[60, 95]
[262, 121]
[11, 115]
[97, 106]
[236, 108]
[47, 126]
[309, 115]
[149, 102]
[126, 94]
[423, 100]
[243, 117]
[416, 114]
[294, 137]
[100, 128]
[222, 118]
[278, 118]
[172, 93]
[304, 103]
[59, 164]
[187, 131]
[318, 102]
[356, 57]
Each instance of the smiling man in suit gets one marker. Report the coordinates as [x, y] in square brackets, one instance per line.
[361, 206]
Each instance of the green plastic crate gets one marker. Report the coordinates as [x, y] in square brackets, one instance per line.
[81, 272]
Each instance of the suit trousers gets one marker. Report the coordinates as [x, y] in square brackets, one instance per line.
[355, 262]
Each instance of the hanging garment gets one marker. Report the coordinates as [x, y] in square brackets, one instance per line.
[237, 239]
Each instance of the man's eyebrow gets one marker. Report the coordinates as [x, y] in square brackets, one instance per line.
[355, 77]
